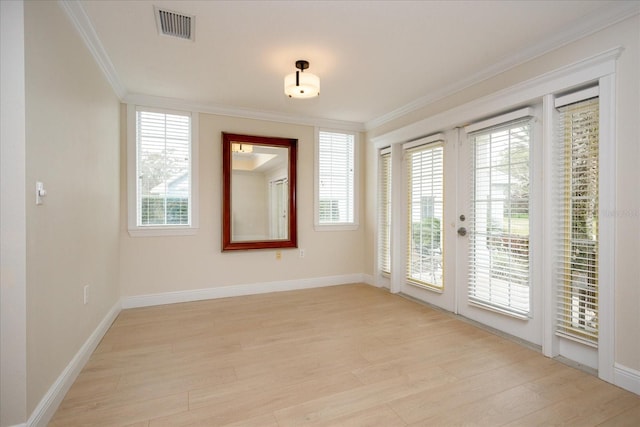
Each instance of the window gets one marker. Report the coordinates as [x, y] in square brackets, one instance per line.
[384, 211]
[425, 199]
[336, 180]
[499, 223]
[577, 247]
[161, 168]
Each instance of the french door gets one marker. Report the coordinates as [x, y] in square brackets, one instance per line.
[478, 186]
[508, 222]
[498, 225]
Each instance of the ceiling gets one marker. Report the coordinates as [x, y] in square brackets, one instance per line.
[374, 58]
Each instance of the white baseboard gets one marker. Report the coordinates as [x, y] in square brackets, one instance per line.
[52, 399]
[238, 290]
[627, 378]
[368, 279]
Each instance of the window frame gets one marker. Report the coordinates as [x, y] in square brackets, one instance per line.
[384, 211]
[430, 143]
[506, 122]
[565, 239]
[342, 226]
[134, 229]
[601, 69]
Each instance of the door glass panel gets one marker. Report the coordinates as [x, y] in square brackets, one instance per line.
[426, 205]
[577, 155]
[499, 238]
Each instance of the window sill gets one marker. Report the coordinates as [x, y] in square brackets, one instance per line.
[335, 227]
[162, 231]
[515, 315]
[437, 290]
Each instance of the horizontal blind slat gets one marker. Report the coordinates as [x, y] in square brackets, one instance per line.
[163, 168]
[384, 213]
[499, 219]
[336, 153]
[425, 209]
[576, 245]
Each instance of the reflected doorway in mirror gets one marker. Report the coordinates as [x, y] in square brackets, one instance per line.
[259, 175]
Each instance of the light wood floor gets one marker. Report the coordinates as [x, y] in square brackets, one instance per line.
[341, 356]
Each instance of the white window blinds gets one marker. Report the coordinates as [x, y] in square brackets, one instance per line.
[384, 211]
[163, 168]
[576, 222]
[499, 223]
[336, 179]
[425, 191]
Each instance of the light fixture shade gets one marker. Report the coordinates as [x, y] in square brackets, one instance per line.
[241, 148]
[308, 85]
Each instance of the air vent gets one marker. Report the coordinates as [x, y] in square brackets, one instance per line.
[175, 24]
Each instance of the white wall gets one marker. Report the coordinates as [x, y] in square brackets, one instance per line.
[79, 236]
[250, 196]
[153, 265]
[72, 145]
[13, 346]
[627, 212]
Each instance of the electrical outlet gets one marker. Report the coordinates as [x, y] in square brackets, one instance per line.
[278, 255]
[86, 294]
[301, 253]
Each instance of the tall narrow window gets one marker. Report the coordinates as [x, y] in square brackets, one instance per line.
[577, 197]
[384, 211]
[336, 198]
[163, 169]
[499, 237]
[425, 213]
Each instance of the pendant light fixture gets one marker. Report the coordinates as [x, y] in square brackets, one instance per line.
[301, 84]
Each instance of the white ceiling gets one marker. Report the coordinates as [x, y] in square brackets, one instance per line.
[374, 58]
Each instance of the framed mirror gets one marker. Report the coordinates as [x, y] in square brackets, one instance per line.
[259, 192]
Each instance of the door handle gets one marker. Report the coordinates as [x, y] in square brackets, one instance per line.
[462, 231]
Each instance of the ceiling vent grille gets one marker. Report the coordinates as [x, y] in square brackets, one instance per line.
[175, 24]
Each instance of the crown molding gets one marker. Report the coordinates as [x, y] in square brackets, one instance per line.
[568, 76]
[618, 12]
[593, 23]
[246, 113]
[83, 25]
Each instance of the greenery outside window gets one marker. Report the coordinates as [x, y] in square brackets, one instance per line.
[161, 172]
[577, 153]
[336, 181]
[425, 182]
[499, 225]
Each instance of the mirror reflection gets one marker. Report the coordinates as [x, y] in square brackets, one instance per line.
[259, 175]
[259, 191]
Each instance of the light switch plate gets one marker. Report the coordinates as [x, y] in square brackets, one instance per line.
[40, 192]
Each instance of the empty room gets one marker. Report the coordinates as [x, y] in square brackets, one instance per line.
[323, 213]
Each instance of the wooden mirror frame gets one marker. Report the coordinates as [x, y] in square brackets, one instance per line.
[292, 145]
